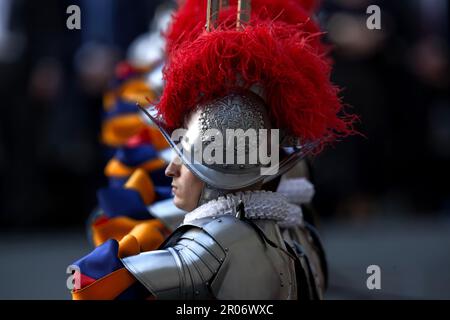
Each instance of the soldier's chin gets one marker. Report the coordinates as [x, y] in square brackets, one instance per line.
[179, 203]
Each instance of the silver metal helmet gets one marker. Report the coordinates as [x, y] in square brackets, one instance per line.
[231, 145]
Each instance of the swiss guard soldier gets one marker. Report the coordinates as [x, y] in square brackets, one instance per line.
[247, 96]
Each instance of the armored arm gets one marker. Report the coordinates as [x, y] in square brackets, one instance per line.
[182, 271]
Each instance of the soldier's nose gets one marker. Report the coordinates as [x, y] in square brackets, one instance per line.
[173, 169]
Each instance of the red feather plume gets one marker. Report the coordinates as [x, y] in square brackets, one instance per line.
[284, 56]
[190, 19]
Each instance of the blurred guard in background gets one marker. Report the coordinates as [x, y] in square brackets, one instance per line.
[139, 152]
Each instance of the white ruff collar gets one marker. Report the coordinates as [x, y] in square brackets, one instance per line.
[258, 205]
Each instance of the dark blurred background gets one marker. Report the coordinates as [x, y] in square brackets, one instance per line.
[51, 85]
[382, 199]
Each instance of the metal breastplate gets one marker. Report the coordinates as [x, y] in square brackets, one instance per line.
[215, 258]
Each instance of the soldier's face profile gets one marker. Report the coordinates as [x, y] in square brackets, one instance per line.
[186, 187]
